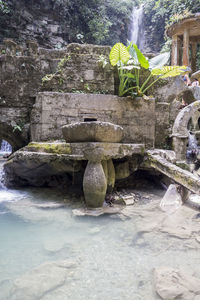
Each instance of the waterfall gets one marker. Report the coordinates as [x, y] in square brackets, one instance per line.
[5, 147]
[192, 149]
[192, 141]
[137, 28]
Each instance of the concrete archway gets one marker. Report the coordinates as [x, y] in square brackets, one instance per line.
[180, 129]
[14, 138]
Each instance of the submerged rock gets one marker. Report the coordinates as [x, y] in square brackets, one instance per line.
[171, 284]
[97, 211]
[42, 280]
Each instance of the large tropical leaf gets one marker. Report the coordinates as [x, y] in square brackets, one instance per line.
[119, 53]
[159, 61]
[133, 54]
[141, 58]
[169, 71]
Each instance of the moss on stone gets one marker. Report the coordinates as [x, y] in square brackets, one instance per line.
[56, 148]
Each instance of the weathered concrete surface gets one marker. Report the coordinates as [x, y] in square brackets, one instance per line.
[53, 110]
[190, 113]
[92, 132]
[94, 185]
[183, 177]
[37, 169]
[80, 71]
[20, 79]
[168, 104]
[82, 151]
[21, 73]
[37, 162]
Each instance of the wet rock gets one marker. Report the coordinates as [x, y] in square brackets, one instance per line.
[171, 284]
[97, 211]
[194, 200]
[128, 200]
[38, 169]
[171, 200]
[42, 280]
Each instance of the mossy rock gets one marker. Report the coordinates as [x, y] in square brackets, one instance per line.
[56, 148]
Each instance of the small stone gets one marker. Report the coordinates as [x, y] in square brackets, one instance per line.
[129, 200]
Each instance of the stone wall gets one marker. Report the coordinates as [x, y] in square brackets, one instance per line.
[84, 68]
[21, 73]
[52, 110]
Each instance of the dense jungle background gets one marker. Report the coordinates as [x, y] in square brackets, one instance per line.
[54, 23]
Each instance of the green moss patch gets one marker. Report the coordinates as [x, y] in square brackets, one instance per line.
[56, 148]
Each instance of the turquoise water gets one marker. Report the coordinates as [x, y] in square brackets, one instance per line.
[111, 256]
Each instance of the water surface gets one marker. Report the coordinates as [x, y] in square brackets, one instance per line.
[113, 255]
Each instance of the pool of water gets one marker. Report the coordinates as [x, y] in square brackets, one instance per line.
[107, 257]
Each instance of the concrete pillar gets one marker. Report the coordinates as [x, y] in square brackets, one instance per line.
[111, 175]
[175, 50]
[180, 146]
[186, 47]
[94, 185]
[194, 57]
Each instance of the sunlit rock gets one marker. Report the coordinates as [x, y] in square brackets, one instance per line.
[171, 200]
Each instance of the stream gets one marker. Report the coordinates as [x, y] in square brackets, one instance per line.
[47, 253]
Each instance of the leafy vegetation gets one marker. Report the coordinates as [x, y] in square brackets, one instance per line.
[160, 13]
[130, 60]
[4, 7]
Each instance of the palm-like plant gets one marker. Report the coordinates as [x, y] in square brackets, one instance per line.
[129, 61]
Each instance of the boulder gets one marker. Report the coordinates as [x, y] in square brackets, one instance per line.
[41, 280]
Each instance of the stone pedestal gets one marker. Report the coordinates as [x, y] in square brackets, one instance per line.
[94, 184]
[180, 146]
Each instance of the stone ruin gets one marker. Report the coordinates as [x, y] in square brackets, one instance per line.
[54, 88]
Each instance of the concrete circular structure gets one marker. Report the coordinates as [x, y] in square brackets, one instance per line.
[185, 34]
[94, 131]
[180, 128]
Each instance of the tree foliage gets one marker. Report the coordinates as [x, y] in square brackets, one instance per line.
[159, 13]
[4, 7]
[97, 21]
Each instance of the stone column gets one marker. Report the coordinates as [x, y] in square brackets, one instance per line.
[194, 57]
[94, 184]
[180, 146]
[111, 175]
[186, 48]
[175, 50]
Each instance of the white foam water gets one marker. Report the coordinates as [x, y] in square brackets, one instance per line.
[137, 28]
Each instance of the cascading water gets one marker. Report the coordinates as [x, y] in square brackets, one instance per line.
[5, 147]
[137, 29]
[192, 149]
[5, 150]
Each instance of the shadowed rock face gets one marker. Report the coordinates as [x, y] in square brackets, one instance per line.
[92, 132]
